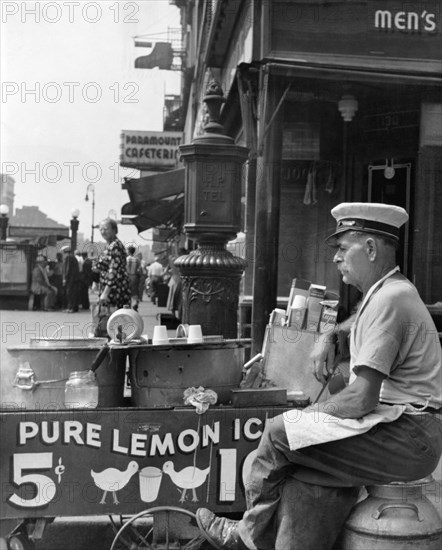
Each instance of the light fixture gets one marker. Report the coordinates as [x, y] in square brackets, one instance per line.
[74, 228]
[4, 209]
[347, 106]
[389, 171]
[91, 189]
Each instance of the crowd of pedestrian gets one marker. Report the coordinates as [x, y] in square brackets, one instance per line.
[119, 275]
[63, 283]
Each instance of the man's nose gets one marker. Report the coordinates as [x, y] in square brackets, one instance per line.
[337, 257]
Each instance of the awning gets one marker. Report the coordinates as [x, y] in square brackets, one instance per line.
[160, 214]
[338, 68]
[156, 200]
[156, 186]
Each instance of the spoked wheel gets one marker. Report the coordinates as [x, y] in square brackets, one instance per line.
[160, 528]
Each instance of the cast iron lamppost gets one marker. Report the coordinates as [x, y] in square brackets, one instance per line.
[211, 274]
[4, 220]
[74, 229]
[91, 189]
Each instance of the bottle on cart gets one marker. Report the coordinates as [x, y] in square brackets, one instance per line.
[81, 390]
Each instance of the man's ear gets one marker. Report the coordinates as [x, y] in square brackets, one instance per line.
[371, 248]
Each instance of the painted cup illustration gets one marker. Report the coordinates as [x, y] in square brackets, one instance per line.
[150, 481]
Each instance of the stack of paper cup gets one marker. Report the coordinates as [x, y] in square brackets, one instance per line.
[195, 334]
[160, 335]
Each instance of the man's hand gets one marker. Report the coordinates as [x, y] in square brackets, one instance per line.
[323, 354]
[323, 357]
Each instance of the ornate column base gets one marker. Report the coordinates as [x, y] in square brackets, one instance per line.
[210, 277]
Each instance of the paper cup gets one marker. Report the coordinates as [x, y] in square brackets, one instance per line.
[150, 481]
[195, 334]
[299, 302]
[160, 335]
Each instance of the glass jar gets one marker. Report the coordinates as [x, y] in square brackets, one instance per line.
[81, 390]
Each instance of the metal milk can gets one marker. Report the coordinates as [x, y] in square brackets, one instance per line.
[396, 516]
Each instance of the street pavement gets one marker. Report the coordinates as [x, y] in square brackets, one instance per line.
[18, 327]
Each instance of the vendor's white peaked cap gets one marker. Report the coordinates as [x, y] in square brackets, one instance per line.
[369, 217]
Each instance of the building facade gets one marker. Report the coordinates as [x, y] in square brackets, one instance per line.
[336, 101]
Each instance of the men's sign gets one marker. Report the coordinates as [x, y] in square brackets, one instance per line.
[377, 29]
[150, 150]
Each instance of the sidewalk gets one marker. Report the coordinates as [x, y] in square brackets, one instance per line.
[19, 327]
[150, 314]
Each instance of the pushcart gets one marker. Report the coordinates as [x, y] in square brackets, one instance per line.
[147, 468]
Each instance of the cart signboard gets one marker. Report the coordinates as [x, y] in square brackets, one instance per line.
[122, 461]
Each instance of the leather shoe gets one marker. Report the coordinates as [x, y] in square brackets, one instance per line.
[222, 533]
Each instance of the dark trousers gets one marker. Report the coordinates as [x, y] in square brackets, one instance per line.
[83, 293]
[72, 295]
[404, 450]
[154, 286]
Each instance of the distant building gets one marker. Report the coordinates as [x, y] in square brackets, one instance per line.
[7, 192]
[30, 224]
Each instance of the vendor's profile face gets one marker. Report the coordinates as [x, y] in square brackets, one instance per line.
[351, 259]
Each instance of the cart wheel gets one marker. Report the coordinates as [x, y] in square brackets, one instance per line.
[20, 541]
[160, 528]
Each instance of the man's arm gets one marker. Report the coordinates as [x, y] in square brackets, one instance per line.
[323, 354]
[357, 399]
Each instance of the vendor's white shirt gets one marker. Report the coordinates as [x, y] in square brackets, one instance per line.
[395, 334]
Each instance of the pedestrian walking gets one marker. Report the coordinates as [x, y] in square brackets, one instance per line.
[134, 272]
[113, 289]
[155, 274]
[143, 277]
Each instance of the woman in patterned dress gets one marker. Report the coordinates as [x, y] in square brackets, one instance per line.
[111, 266]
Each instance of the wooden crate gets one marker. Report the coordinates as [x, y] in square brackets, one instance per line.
[287, 362]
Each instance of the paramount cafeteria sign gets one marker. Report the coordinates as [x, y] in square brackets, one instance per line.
[150, 150]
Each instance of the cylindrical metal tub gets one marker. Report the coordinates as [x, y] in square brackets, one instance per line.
[160, 374]
[36, 373]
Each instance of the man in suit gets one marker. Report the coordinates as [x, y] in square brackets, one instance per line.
[71, 275]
